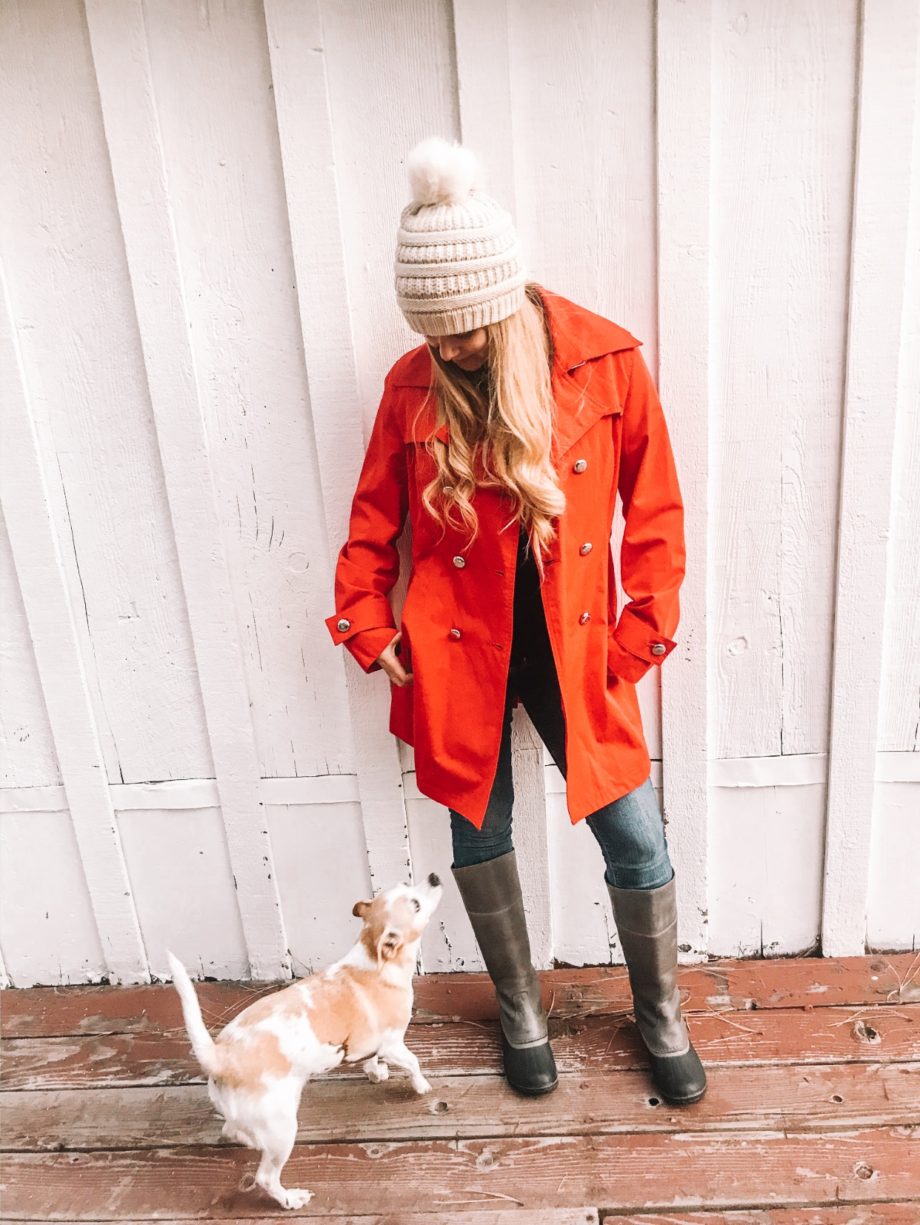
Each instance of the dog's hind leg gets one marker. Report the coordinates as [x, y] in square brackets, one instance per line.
[233, 1132]
[276, 1140]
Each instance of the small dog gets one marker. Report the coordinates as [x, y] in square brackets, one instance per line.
[357, 1009]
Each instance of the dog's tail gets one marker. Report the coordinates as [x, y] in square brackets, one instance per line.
[201, 1040]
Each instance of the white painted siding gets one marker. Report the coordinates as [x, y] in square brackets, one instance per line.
[198, 204]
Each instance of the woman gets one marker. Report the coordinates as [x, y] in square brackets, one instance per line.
[505, 438]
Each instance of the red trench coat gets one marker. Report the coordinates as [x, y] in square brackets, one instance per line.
[457, 619]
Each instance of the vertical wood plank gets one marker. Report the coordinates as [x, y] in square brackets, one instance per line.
[120, 55]
[216, 114]
[783, 82]
[484, 101]
[893, 918]
[183, 890]
[36, 556]
[82, 358]
[298, 69]
[684, 122]
[483, 58]
[50, 934]
[887, 112]
[26, 745]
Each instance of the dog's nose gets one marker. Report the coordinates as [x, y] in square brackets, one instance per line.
[434, 880]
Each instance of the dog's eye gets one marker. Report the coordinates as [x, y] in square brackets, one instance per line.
[416, 903]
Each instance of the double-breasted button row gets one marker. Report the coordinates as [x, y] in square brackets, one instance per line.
[342, 625]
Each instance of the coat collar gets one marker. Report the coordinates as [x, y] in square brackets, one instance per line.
[579, 335]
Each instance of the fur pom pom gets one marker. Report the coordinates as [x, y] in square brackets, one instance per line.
[441, 172]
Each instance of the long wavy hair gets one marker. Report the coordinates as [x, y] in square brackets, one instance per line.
[500, 419]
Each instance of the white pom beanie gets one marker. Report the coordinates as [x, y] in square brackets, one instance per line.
[458, 260]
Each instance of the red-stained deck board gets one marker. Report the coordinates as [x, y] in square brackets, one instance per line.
[642, 1173]
[869, 1214]
[595, 1043]
[480, 1216]
[862, 1214]
[823, 1097]
[722, 985]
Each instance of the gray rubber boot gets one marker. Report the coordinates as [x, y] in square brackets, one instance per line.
[646, 921]
[491, 893]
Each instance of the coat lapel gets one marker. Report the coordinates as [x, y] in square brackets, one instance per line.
[579, 335]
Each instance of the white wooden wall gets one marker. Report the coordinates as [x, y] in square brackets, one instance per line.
[197, 223]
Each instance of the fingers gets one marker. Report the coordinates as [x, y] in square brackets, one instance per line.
[389, 662]
[399, 676]
[398, 673]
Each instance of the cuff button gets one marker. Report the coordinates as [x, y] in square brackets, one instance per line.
[342, 625]
[658, 648]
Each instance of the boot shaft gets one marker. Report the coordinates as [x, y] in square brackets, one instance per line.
[491, 894]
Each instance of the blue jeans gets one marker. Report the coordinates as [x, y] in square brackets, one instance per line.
[629, 831]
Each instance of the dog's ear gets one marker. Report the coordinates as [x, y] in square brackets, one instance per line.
[388, 944]
[360, 909]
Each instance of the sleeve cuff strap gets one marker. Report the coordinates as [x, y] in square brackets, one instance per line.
[365, 642]
[633, 650]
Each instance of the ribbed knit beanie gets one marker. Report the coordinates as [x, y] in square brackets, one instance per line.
[458, 260]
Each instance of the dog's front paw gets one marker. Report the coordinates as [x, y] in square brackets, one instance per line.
[296, 1197]
[376, 1070]
[421, 1085]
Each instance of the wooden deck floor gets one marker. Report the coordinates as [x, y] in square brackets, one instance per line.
[812, 1115]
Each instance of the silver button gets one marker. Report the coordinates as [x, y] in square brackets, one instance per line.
[459, 562]
[342, 625]
[658, 648]
[586, 548]
[455, 633]
[585, 616]
[579, 465]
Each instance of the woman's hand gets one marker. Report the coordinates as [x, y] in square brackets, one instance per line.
[389, 661]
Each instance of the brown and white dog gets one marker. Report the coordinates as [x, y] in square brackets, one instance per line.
[357, 1009]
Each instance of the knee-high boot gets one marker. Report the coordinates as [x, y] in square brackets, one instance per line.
[646, 921]
[491, 893]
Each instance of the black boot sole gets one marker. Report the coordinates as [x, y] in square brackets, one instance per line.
[681, 1101]
[692, 1070]
[540, 1055]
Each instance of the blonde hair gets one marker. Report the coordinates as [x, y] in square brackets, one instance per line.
[504, 429]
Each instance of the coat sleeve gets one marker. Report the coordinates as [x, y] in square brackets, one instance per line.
[653, 555]
[368, 563]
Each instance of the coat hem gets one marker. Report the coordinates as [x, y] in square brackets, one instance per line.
[597, 800]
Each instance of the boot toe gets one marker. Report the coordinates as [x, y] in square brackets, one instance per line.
[680, 1079]
[530, 1070]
